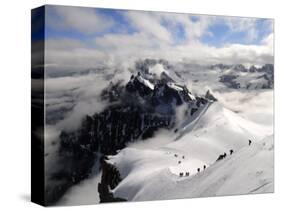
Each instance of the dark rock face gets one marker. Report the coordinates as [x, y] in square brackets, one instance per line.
[113, 92]
[229, 81]
[110, 130]
[268, 75]
[136, 86]
[110, 179]
[210, 96]
[240, 67]
[253, 69]
[220, 66]
[268, 68]
[69, 174]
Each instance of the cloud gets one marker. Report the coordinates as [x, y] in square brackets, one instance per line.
[148, 23]
[256, 106]
[240, 24]
[81, 93]
[83, 20]
[83, 193]
[245, 54]
[194, 26]
[113, 51]
[157, 70]
[119, 41]
[67, 55]
[151, 35]
[162, 25]
[228, 54]
[269, 41]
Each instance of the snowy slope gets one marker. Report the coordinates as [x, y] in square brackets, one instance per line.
[146, 82]
[188, 125]
[250, 170]
[151, 171]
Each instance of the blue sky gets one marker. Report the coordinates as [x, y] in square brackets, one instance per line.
[222, 33]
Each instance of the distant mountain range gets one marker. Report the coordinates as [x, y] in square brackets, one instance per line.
[238, 76]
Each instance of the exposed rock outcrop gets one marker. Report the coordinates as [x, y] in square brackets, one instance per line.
[109, 180]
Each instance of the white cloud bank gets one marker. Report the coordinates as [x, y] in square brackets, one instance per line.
[78, 19]
[118, 49]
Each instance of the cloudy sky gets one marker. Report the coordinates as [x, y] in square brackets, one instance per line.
[79, 38]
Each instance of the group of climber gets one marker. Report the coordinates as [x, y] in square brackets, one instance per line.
[181, 174]
[204, 167]
[224, 155]
[186, 174]
[230, 152]
[176, 155]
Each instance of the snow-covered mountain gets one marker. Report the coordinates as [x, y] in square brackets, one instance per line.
[154, 174]
[157, 129]
[136, 110]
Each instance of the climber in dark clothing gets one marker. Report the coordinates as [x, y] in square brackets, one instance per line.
[220, 157]
[187, 174]
[198, 170]
[231, 152]
[204, 167]
[250, 142]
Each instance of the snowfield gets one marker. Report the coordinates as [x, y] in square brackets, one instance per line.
[151, 171]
